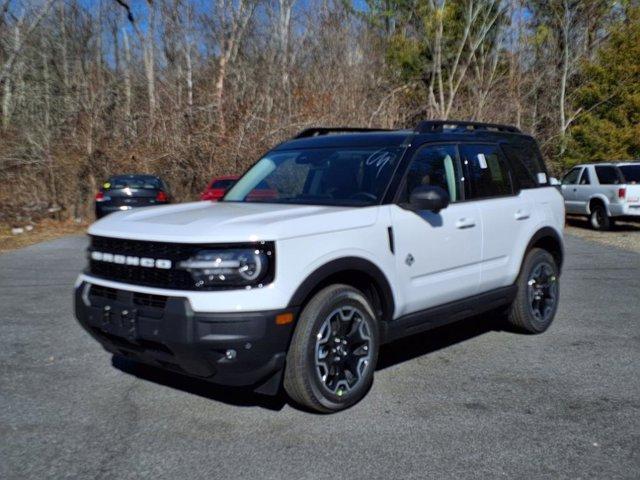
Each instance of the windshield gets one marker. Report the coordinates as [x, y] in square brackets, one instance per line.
[631, 173]
[326, 176]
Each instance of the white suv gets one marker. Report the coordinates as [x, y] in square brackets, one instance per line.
[604, 192]
[370, 236]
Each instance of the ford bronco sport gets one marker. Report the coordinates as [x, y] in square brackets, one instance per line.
[373, 235]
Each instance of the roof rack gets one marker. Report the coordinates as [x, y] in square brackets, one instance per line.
[429, 126]
[317, 131]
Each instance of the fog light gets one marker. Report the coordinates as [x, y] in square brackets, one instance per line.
[230, 354]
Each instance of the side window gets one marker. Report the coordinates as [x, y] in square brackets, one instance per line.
[436, 165]
[523, 164]
[571, 178]
[608, 175]
[488, 173]
[584, 178]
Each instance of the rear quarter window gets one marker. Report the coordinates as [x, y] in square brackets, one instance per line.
[608, 175]
[526, 163]
[631, 173]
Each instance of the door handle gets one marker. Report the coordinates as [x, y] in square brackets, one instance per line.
[466, 223]
[522, 215]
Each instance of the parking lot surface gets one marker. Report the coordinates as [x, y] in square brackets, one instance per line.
[469, 400]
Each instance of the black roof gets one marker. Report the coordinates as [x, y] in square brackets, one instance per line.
[433, 130]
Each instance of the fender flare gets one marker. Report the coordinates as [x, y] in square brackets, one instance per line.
[550, 233]
[602, 198]
[347, 264]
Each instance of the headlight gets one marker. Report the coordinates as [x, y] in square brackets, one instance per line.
[232, 267]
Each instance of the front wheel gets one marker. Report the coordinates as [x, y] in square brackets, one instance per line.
[334, 350]
[536, 302]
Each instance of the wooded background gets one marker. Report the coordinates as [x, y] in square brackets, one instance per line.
[193, 89]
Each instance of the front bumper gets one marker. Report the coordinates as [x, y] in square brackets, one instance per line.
[239, 348]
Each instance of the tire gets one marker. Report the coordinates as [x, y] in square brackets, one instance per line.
[536, 302]
[598, 219]
[338, 315]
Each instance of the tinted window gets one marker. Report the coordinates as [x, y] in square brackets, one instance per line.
[523, 163]
[435, 165]
[584, 178]
[488, 173]
[571, 178]
[320, 176]
[631, 173]
[134, 182]
[222, 183]
[608, 175]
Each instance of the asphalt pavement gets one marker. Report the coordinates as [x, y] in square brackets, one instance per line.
[468, 400]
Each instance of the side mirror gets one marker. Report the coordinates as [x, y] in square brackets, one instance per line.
[429, 197]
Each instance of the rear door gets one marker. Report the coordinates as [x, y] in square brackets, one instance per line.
[437, 254]
[506, 214]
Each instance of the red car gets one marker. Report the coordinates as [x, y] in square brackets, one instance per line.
[219, 186]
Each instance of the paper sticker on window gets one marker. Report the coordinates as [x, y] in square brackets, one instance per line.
[542, 177]
[482, 160]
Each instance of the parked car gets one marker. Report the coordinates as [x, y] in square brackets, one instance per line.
[219, 186]
[604, 192]
[372, 236]
[124, 192]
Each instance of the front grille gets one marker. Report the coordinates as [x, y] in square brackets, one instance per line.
[173, 278]
[151, 277]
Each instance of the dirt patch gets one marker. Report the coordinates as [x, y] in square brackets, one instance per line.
[44, 230]
[624, 235]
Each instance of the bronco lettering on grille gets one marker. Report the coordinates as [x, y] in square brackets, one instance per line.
[131, 260]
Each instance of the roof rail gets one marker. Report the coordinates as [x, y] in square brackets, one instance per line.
[317, 131]
[429, 126]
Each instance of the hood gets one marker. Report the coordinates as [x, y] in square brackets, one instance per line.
[217, 222]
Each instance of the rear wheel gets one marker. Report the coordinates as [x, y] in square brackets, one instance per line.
[334, 350]
[599, 219]
[536, 302]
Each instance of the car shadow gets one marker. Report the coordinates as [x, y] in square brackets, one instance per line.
[431, 341]
[241, 397]
[391, 354]
[619, 226]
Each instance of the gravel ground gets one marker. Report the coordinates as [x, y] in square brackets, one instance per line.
[624, 235]
[465, 401]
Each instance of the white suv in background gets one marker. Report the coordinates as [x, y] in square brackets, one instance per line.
[372, 236]
[603, 192]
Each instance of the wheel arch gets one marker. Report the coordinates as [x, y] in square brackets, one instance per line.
[597, 198]
[548, 239]
[355, 271]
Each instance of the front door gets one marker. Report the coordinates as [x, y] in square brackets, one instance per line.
[438, 254]
[570, 190]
